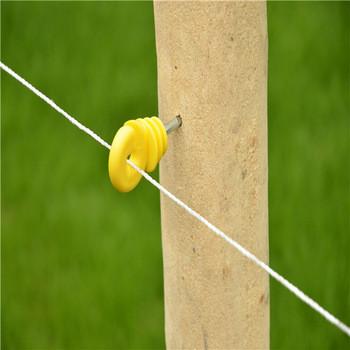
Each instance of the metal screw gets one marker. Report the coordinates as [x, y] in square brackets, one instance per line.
[173, 124]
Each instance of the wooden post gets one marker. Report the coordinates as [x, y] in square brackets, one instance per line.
[212, 70]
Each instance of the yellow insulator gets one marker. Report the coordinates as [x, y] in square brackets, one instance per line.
[144, 142]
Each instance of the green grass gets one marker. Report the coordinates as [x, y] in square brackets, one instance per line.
[81, 263]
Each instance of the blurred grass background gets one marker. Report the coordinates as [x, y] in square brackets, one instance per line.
[81, 263]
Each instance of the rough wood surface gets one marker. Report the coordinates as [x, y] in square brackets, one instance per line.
[212, 69]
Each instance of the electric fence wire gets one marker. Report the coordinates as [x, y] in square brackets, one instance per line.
[291, 287]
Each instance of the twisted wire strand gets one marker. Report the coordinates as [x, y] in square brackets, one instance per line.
[279, 278]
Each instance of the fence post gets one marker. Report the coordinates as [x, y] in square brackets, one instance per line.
[212, 70]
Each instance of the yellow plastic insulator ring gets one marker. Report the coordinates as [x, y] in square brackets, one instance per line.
[144, 142]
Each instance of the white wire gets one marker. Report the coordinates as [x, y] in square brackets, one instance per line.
[53, 105]
[295, 290]
[291, 287]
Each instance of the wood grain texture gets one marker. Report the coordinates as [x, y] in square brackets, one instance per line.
[212, 70]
